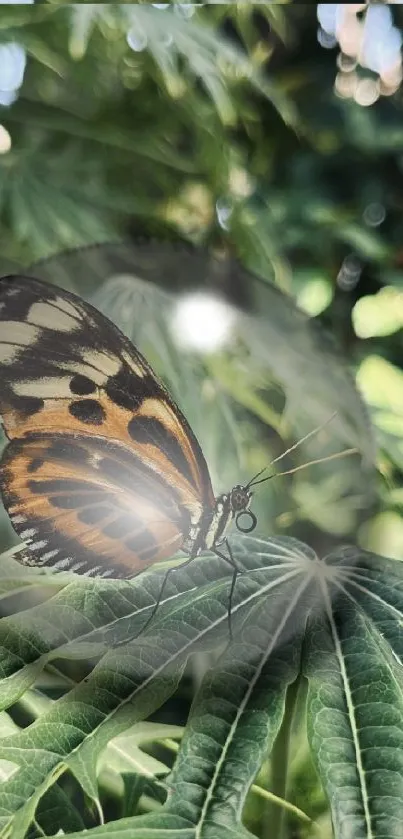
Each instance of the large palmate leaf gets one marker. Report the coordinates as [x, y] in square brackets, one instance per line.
[336, 619]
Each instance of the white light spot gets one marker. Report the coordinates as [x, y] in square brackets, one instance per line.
[329, 17]
[382, 41]
[224, 211]
[45, 314]
[346, 63]
[5, 140]
[346, 85]
[12, 66]
[202, 322]
[137, 39]
[326, 39]
[7, 97]
[367, 92]
[17, 519]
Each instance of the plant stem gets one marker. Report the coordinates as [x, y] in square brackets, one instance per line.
[276, 816]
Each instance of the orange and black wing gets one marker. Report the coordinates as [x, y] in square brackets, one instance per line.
[102, 471]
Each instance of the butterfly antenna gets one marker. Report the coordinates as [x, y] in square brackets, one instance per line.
[304, 465]
[291, 449]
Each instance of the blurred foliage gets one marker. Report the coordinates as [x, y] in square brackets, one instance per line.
[218, 123]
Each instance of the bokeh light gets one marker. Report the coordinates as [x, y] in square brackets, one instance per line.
[137, 39]
[378, 314]
[12, 66]
[349, 273]
[7, 97]
[202, 322]
[367, 37]
[224, 211]
[374, 214]
[5, 140]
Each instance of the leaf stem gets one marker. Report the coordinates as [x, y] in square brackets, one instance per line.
[281, 802]
[276, 817]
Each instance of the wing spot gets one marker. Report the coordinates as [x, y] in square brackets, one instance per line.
[143, 544]
[81, 385]
[68, 450]
[120, 527]
[92, 515]
[35, 464]
[89, 411]
[123, 389]
[152, 431]
[73, 367]
[27, 406]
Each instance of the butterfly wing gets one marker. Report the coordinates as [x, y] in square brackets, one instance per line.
[75, 397]
[87, 504]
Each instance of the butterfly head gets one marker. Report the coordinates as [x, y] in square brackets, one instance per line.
[240, 498]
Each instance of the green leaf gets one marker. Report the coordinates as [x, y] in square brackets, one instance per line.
[202, 48]
[123, 753]
[57, 810]
[7, 727]
[355, 702]
[353, 602]
[159, 826]
[135, 678]
[367, 243]
[99, 131]
[237, 714]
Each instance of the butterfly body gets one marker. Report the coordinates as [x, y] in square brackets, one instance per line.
[102, 473]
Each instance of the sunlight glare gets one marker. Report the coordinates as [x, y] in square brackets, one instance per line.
[202, 322]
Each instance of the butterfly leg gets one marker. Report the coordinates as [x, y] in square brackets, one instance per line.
[235, 573]
[228, 559]
[162, 589]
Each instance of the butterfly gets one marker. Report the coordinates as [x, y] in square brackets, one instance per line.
[102, 473]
